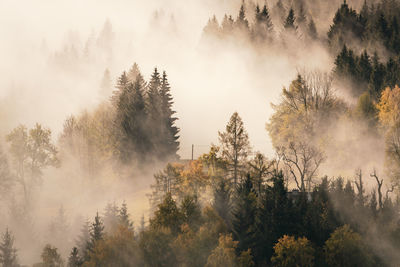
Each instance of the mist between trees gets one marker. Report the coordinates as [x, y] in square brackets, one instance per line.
[112, 190]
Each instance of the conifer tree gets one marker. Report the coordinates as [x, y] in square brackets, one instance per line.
[222, 203]
[290, 20]
[8, 254]
[243, 222]
[154, 121]
[170, 143]
[235, 145]
[74, 260]
[124, 217]
[111, 218]
[241, 22]
[96, 232]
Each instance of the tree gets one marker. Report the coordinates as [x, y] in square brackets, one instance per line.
[167, 216]
[191, 212]
[241, 22]
[263, 28]
[224, 254]
[166, 181]
[96, 234]
[51, 257]
[388, 114]
[153, 108]
[170, 143]
[222, 203]
[235, 145]
[74, 260]
[346, 248]
[244, 213]
[124, 217]
[290, 251]
[289, 22]
[131, 117]
[111, 218]
[31, 152]
[297, 123]
[260, 168]
[8, 254]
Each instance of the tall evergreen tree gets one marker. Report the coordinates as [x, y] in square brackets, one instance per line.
[96, 232]
[243, 222]
[170, 143]
[74, 260]
[124, 217]
[290, 21]
[8, 254]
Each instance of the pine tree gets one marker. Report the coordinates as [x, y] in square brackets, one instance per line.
[124, 217]
[243, 222]
[241, 22]
[74, 260]
[133, 73]
[263, 28]
[154, 121]
[122, 82]
[290, 20]
[96, 233]
[51, 257]
[132, 117]
[111, 218]
[222, 203]
[8, 254]
[235, 145]
[170, 143]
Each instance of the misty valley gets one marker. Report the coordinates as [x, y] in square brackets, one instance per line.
[209, 133]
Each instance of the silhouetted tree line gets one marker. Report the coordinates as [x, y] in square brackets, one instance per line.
[366, 72]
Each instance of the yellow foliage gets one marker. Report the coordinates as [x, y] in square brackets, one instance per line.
[290, 251]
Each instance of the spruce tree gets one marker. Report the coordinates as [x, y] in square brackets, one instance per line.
[222, 203]
[154, 112]
[8, 254]
[290, 20]
[170, 144]
[111, 218]
[243, 217]
[96, 233]
[241, 22]
[74, 260]
[131, 117]
[124, 217]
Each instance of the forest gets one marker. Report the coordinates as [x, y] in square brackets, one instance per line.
[112, 150]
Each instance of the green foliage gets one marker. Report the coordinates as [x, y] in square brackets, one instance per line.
[167, 216]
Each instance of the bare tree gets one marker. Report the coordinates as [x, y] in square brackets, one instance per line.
[380, 183]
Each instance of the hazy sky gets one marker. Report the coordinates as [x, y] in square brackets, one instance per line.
[208, 84]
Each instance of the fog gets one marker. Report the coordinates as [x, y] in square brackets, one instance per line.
[52, 61]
